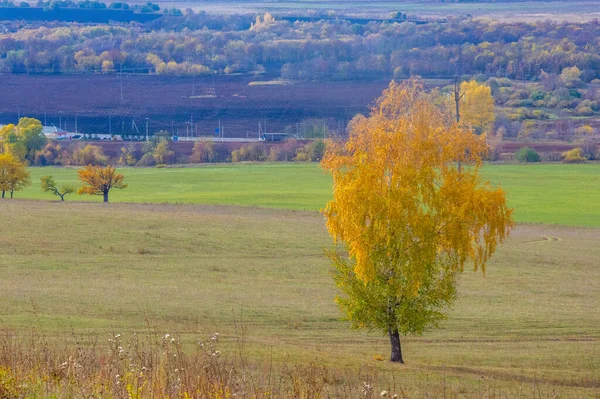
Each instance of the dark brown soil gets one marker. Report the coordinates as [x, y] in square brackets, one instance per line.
[172, 101]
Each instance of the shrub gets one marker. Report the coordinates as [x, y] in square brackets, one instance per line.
[302, 156]
[585, 130]
[199, 153]
[127, 157]
[252, 152]
[147, 160]
[162, 152]
[284, 152]
[573, 156]
[51, 154]
[209, 151]
[217, 152]
[584, 111]
[588, 149]
[526, 154]
[316, 150]
[312, 152]
[89, 155]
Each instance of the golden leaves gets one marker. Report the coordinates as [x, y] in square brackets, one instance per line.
[99, 180]
[13, 174]
[477, 107]
[401, 203]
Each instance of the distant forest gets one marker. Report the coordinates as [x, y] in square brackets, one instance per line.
[201, 44]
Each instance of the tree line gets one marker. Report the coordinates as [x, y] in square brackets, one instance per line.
[54, 5]
[198, 43]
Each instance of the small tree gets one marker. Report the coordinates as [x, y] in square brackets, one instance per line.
[527, 154]
[410, 217]
[573, 156]
[90, 155]
[24, 139]
[99, 180]
[13, 174]
[477, 106]
[49, 185]
[128, 156]
[162, 152]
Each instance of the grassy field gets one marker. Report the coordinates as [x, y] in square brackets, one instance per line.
[552, 194]
[529, 328]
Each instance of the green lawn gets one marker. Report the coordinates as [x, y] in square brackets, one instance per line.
[552, 194]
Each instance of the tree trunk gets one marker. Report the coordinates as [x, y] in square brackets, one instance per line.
[3, 193]
[106, 196]
[62, 197]
[396, 348]
[11, 194]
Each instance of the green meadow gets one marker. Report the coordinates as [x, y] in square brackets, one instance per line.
[550, 193]
[239, 250]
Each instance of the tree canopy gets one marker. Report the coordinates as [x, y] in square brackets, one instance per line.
[24, 139]
[410, 217]
[13, 174]
[477, 106]
[99, 180]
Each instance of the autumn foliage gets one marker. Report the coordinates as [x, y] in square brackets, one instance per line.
[13, 174]
[477, 106]
[99, 180]
[410, 216]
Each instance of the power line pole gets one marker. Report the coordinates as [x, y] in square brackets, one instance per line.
[457, 97]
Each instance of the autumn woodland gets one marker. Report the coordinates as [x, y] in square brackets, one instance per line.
[299, 199]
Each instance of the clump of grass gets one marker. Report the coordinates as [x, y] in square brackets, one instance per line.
[144, 251]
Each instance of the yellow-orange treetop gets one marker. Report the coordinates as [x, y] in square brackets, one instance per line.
[401, 203]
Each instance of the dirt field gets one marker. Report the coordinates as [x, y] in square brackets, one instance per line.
[172, 101]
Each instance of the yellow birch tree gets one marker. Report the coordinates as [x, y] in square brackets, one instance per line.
[477, 106]
[408, 215]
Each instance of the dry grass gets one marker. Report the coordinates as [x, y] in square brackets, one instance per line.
[80, 273]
